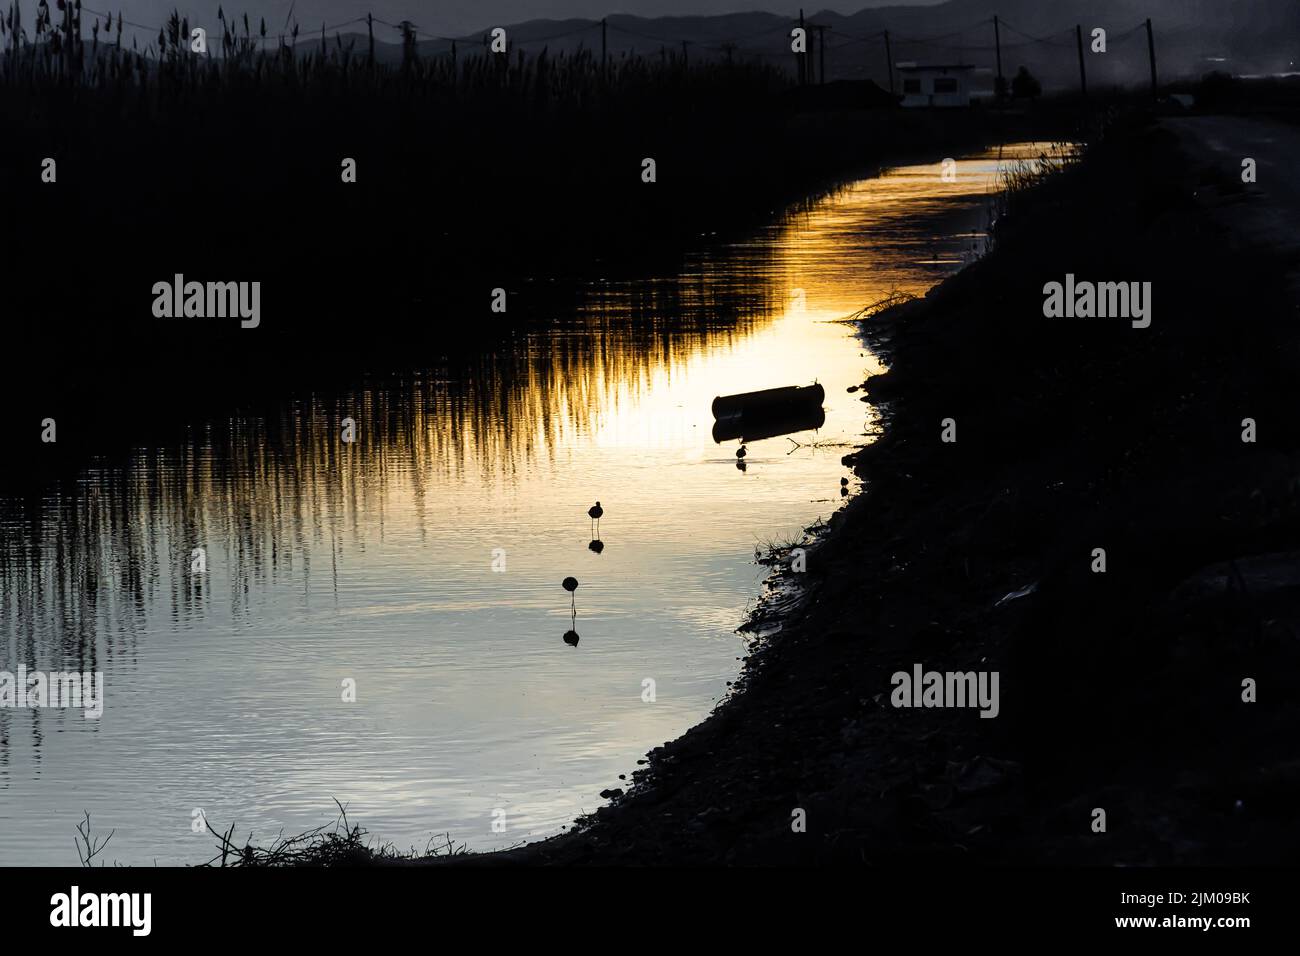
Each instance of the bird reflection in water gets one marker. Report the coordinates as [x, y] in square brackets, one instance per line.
[570, 584]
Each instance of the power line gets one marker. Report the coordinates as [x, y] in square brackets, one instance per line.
[1128, 33]
[1030, 36]
[859, 39]
[729, 46]
[944, 36]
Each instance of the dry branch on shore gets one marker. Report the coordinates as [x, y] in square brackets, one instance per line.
[345, 844]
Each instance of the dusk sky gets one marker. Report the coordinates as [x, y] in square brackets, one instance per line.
[460, 16]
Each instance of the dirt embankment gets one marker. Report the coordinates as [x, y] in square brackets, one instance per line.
[1119, 690]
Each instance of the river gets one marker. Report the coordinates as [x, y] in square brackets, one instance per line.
[283, 618]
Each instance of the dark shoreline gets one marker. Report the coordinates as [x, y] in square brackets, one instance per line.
[1070, 435]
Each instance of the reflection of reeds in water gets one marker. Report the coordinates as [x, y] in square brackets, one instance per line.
[267, 495]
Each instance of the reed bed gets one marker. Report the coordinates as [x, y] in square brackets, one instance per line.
[70, 47]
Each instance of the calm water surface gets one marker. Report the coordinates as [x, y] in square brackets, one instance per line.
[374, 561]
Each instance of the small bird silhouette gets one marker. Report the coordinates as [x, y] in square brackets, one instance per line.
[594, 512]
[740, 452]
[571, 638]
[569, 584]
[596, 545]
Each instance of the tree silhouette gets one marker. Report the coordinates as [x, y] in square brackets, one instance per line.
[1024, 85]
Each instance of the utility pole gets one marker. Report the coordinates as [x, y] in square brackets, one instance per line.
[821, 50]
[604, 55]
[370, 29]
[803, 56]
[408, 45]
[1151, 52]
[1083, 73]
[889, 58]
[997, 43]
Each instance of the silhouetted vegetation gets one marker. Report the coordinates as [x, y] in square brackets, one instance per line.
[343, 844]
[1025, 86]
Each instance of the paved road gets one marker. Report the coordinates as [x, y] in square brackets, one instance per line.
[1266, 212]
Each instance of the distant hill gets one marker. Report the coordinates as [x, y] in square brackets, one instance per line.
[449, 17]
[1192, 36]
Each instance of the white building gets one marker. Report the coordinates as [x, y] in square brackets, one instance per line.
[936, 85]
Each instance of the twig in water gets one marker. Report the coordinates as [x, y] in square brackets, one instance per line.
[88, 848]
[825, 443]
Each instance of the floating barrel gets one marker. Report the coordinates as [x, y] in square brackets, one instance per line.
[756, 426]
[769, 401]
